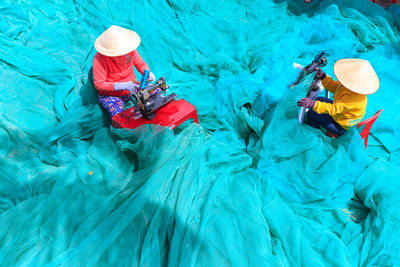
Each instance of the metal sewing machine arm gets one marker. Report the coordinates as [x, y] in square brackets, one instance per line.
[319, 61]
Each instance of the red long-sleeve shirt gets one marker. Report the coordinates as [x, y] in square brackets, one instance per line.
[108, 70]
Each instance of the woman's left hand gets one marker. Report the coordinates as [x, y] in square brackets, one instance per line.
[306, 103]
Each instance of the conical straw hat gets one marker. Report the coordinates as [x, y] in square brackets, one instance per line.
[117, 41]
[357, 75]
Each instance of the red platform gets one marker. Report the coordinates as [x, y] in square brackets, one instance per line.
[171, 115]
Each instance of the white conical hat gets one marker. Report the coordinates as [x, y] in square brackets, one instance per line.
[117, 41]
[357, 75]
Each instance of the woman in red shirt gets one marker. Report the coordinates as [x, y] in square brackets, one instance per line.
[113, 74]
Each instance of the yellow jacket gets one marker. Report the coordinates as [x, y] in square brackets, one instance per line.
[347, 109]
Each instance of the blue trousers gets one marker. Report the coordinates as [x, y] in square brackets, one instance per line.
[113, 104]
[325, 120]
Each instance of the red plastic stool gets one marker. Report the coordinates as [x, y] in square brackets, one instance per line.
[331, 135]
[385, 3]
[171, 115]
[368, 124]
[393, 1]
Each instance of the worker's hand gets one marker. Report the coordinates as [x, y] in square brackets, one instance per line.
[306, 103]
[130, 86]
[320, 74]
[152, 78]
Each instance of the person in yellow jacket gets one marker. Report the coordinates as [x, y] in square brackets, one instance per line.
[356, 80]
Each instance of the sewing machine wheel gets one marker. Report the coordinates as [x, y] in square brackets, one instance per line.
[324, 61]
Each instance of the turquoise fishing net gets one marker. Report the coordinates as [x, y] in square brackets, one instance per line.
[248, 186]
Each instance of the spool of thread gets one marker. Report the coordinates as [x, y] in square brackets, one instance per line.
[145, 77]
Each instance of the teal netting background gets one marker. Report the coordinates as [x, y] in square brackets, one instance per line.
[246, 187]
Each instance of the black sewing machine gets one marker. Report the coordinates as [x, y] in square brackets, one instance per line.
[316, 87]
[148, 98]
